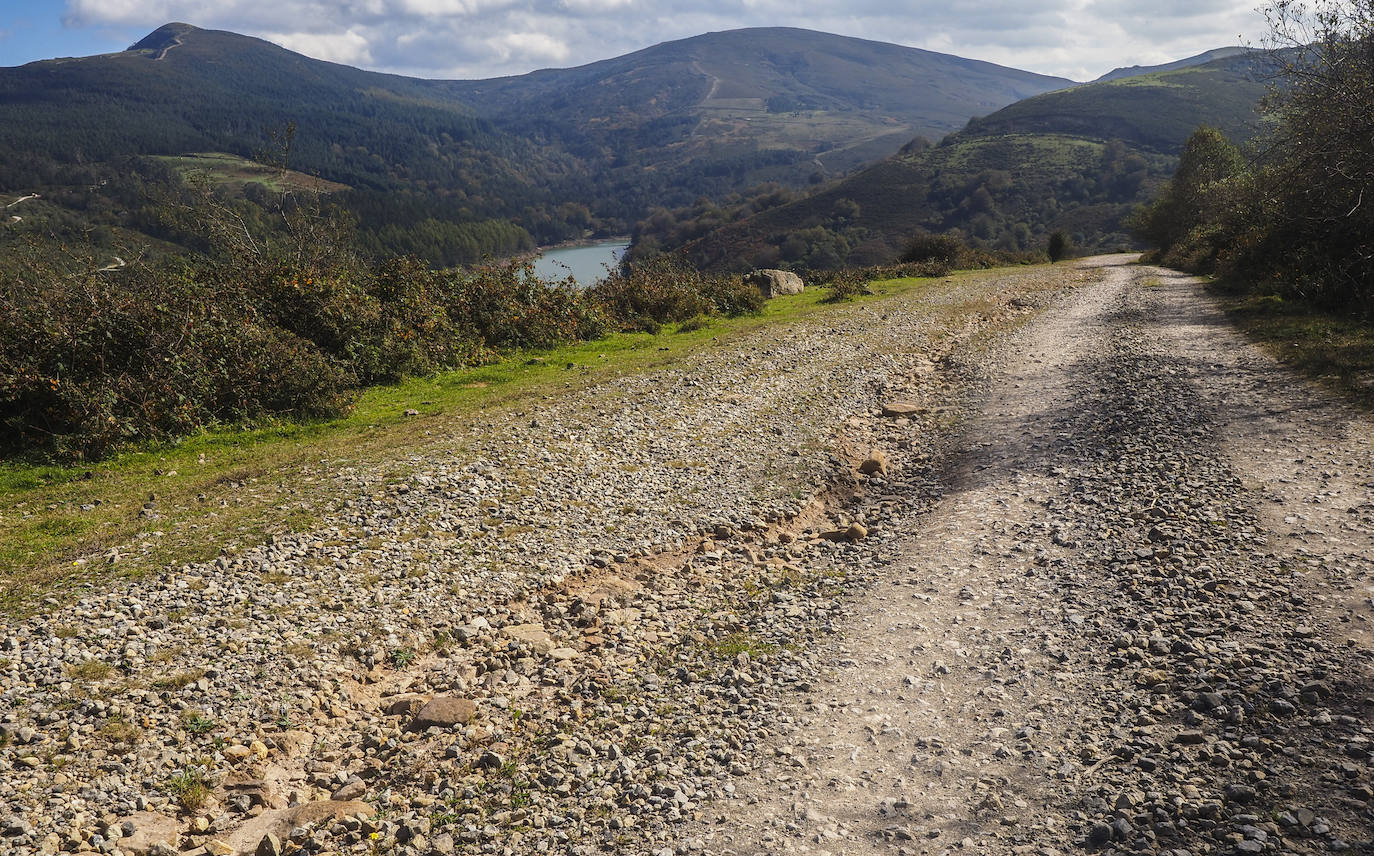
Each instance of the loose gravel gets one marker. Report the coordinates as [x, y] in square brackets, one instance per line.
[1094, 641]
[569, 633]
[893, 581]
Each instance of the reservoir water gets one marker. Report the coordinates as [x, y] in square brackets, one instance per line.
[586, 264]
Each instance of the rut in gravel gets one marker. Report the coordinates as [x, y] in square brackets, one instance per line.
[1104, 635]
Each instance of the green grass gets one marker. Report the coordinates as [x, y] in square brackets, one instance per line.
[234, 171]
[188, 788]
[1334, 348]
[232, 487]
[742, 643]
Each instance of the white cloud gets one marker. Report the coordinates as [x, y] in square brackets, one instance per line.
[595, 7]
[349, 48]
[539, 47]
[485, 38]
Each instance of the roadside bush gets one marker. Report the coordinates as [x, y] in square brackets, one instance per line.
[929, 247]
[730, 295]
[1058, 247]
[646, 294]
[505, 305]
[91, 359]
[845, 284]
[95, 355]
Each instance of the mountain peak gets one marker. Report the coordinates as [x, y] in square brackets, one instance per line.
[163, 38]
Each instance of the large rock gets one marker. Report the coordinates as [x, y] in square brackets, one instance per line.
[533, 635]
[408, 704]
[902, 408]
[279, 823]
[874, 464]
[775, 282]
[443, 712]
[146, 830]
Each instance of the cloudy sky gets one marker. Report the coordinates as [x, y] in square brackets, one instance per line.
[1079, 39]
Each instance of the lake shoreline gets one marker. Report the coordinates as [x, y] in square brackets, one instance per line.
[586, 262]
[581, 243]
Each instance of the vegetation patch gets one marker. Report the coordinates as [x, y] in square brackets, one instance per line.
[189, 788]
[90, 670]
[1336, 348]
[1289, 216]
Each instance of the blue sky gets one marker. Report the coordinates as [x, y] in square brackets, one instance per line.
[33, 29]
[1079, 39]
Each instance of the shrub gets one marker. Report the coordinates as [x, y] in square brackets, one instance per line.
[189, 788]
[731, 296]
[92, 359]
[928, 247]
[1058, 246]
[291, 325]
[506, 305]
[691, 325]
[646, 294]
[845, 284]
[656, 290]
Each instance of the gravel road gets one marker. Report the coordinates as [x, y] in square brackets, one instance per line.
[1138, 621]
[1026, 563]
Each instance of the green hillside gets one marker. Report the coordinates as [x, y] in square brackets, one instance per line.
[556, 154]
[713, 98]
[1076, 160]
[1188, 62]
[1155, 111]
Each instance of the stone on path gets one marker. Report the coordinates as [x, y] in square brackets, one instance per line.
[901, 408]
[443, 712]
[533, 635]
[874, 464]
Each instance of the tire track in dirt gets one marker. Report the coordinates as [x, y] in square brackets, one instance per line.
[1091, 641]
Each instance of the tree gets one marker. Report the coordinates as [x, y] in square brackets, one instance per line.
[1058, 246]
[1311, 218]
[1193, 198]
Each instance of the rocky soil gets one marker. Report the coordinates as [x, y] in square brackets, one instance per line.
[896, 581]
[1099, 639]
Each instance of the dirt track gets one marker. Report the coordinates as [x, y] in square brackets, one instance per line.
[1138, 620]
[892, 579]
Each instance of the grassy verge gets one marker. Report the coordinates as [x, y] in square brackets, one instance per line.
[1334, 348]
[65, 526]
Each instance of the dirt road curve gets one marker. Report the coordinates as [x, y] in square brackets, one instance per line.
[1139, 620]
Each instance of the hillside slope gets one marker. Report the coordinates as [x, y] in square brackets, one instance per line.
[775, 89]
[1187, 62]
[559, 151]
[1077, 160]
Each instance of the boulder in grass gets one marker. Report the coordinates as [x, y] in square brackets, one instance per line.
[775, 282]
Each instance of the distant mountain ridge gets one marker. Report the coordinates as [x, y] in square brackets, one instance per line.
[700, 116]
[763, 84]
[1188, 62]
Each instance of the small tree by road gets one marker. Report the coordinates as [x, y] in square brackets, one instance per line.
[1059, 246]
